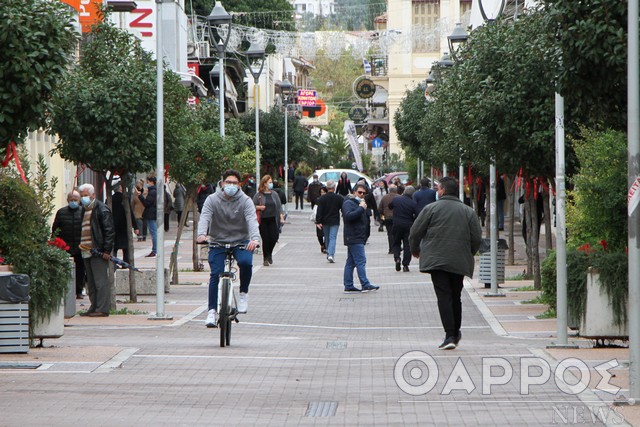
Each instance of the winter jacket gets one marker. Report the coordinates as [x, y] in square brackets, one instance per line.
[299, 184]
[120, 221]
[68, 224]
[149, 202]
[404, 209]
[102, 229]
[423, 197]
[179, 195]
[229, 220]
[329, 207]
[344, 186]
[313, 191]
[447, 235]
[356, 222]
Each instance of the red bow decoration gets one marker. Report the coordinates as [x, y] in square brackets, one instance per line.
[12, 154]
[59, 243]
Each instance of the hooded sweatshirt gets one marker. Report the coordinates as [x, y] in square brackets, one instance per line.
[229, 220]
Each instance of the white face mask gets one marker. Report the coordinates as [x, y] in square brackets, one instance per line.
[230, 189]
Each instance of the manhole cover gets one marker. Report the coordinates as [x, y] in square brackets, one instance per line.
[321, 409]
[337, 345]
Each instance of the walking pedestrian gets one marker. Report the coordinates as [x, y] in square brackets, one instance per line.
[121, 239]
[404, 213]
[168, 207]
[179, 198]
[445, 236]
[344, 185]
[314, 214]
[379, 191]
[270, 215]
[356, 223]
[150, 213]
[67, 225]
[138, 211]
[235, 223]
[386, 214]
[97, 233]
[425, 194]
[313, 191]
[328, 218]
[299, 185]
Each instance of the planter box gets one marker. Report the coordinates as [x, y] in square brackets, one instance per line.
[145, 281]
[53, 327]
[598, 314]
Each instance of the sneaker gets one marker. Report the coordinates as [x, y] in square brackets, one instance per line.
[397, 265]
[330, 259]
[370, 288]
[270, 260]
[448, 344]
[151, 255]
[243, 302]
[212, 319]
[405, 268]
[353, 290]
[457, 338]
[266, 263]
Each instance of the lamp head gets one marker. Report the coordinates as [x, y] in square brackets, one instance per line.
[458, 37]
[254, 52]
[218, 15]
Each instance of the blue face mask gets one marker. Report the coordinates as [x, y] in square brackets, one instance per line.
[271, 186]
[437, 197]
[73, 205]
[85, 200]
[230, 189]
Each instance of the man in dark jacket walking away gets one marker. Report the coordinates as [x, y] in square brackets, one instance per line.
[425, 195]
[97, 233]
[405, 211]
[328, 218]
[445, 237]
[299, 185]
[68, 225]
[386, 213]
[356, 223]
[313, 191]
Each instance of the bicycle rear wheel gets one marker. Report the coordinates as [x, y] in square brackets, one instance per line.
[224, 322]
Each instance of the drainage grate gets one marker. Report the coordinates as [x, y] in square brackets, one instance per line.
[346, 300]
[337, 345]
[11, 365]
[321, 409]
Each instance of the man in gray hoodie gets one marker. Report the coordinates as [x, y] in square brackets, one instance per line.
[229, 216]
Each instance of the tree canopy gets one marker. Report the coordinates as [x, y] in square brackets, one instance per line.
[251, 13]
[37, 41]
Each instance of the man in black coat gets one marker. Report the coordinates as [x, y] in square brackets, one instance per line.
[150, 213]
[68, 226]
[120, 224]
[299, 185]
[425, 194]
[328, 218]
[405, 211]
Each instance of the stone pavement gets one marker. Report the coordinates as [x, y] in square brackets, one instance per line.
[308, 354]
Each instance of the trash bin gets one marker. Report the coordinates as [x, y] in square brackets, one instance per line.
[485, 261]
[14, 313]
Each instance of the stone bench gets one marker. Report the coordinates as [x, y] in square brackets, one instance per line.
[145, 281]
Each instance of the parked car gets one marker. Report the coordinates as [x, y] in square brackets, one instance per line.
[325, 175]
[388, 177]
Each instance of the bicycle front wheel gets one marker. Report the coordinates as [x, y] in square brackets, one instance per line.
[223, 320]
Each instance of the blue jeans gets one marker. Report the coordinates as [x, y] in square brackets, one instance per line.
[358, 260]
[330, 237]
[244, 260]
[152, 225]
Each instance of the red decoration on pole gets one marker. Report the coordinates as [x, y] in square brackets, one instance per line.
[12, 154]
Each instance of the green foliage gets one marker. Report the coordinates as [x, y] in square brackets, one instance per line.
[592, 40]
[341, 72]
[23, 235]
[37, 41]
[105, 110]
[280, 18]
[44, 188]
[612, 268]
[598, 204]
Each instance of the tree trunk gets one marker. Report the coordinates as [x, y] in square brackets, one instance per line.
[197, 265]
[173, 263]
[512, 218]
[532, 202]
[126, 200]
[526, 226]
[489, 213]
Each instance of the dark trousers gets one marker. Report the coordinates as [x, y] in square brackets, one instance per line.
[125, 254]
[80, 273]
[269, 234]
[448, 287]
[388, 224]
[401, 242]
[299, 198]
[166, 221]
[320, 236]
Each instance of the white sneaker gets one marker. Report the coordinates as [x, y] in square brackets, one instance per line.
[330, 259]
[243, 303]
[212, 319]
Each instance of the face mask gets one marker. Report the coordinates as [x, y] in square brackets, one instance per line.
[437, 197]
[271, 186]
[251, 181]
[358, 199]
[230, 189]
[85, 200]
[73, 205]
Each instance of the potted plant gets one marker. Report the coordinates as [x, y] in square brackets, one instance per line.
[24, 235]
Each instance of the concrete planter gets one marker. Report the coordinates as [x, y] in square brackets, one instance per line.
[145, 281]
[53, 327]
[598, 315]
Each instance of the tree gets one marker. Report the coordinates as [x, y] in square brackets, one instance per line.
[341, 73]
[104, 111]
[37, 41]
[251, 13]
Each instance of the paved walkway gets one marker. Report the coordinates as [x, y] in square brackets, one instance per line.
[306, 353]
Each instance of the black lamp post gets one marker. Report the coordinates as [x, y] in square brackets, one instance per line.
[217, 18]
[255, 57]
[457, 38]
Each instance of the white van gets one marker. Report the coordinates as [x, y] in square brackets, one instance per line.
[325, 175]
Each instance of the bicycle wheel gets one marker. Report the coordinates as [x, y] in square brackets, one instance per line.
[223, 321]
[228, 331]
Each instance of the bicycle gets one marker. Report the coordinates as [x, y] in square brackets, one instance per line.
[227, 302]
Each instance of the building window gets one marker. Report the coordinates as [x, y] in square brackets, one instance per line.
[426, 37]
[465, 6]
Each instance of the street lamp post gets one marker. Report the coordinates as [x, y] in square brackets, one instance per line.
[286, 86]
[457, 38]
[218, 17]
[256, 54]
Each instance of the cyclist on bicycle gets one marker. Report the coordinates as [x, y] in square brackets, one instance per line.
[229, 216]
